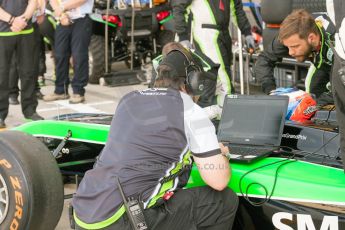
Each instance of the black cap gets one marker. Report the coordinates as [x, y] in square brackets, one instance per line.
[177, 62]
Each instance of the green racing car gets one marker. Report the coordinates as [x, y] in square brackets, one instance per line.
[288, 190]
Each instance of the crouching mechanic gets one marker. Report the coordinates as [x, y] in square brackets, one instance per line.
[303, 36]
[154, 136]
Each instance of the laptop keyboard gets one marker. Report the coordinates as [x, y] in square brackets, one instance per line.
[246, 151]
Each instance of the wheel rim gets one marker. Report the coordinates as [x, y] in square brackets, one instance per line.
[4, 199]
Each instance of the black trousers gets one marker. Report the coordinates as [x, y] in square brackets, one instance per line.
[72, 40]
[47, 29]
[338, 88]
[39, 65]
[22, 46]
[225, 48]
[14, 78]
[189, 209]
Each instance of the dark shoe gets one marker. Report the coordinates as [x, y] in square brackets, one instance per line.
[2, 123]
[34, 117]
[39, 95]
[55, 97]
[76, 98]
[13, 100]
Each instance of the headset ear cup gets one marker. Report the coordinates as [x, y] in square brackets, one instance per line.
[195, 82]
[195, 76]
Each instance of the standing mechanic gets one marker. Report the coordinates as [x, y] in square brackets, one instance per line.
[210, 32]
[72, 37]
[303, 36]
[336, 10]
[38, 56]
[154, 137]
[17, 38]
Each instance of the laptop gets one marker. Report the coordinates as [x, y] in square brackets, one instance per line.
[252, 125]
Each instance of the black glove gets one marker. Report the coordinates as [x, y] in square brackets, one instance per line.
[268, 88]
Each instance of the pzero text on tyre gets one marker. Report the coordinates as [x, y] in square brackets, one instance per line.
[31, 189]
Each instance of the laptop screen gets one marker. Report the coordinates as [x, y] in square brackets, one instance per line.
[253, 119]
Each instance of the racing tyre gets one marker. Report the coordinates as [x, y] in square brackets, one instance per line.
[164, 37]
[310, 5]
[268, 35]
[96, 59]
[275, 11]
[31, 189]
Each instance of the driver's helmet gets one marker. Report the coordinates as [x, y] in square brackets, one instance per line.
[299, 102]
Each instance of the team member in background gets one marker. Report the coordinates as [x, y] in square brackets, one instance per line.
[72, 38]
[303, 36]
[210, 32]
[17, 38]
[336, 10]
[153, 137]
[39, 58]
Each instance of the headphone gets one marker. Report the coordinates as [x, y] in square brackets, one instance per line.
[195, 75]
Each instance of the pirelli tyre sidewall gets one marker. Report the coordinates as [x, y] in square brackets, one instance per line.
[15, 191]
[31, 189]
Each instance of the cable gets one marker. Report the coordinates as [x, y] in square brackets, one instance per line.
[314, 152]
[267, 197]
[284, 162]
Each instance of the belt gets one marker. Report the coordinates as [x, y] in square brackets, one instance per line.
[215, 27]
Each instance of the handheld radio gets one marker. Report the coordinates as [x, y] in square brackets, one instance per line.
[133, 210]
